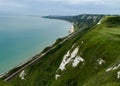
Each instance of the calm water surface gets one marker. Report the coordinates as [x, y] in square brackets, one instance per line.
[21, 37]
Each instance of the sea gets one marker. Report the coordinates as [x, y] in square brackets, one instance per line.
[22, 37]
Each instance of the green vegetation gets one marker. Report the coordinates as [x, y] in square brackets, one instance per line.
[102, 42]
[79, 21]
[99, 46]
[2, 83]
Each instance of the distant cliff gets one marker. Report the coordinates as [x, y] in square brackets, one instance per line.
[80, 20]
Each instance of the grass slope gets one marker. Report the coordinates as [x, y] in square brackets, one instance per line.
[102, 42]
[2, 83]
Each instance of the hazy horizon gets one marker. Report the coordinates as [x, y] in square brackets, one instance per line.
[59, 7]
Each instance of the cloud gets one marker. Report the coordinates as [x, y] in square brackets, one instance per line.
[75, 1]
[60, 6]
[12, 3]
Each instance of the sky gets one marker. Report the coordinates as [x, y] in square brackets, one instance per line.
[60, 7]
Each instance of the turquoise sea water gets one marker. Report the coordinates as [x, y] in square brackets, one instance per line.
[21, 37]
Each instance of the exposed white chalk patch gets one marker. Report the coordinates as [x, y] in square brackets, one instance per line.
[116, 67]
[100, 21]
[73, 45]
[109, 69]
[83, 63]
[82, 42]
[57, 76]
[74, 53]
[101, 61]
[66, 60]
[113, 68]
[22, 75]
[77, 60]
[118, 74]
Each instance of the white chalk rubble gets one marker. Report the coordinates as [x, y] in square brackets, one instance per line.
[100, 21]
[82, 42]
[22, 75]
[113, 68]
[66, 60]
[77, 60]
[57, 76]
[101, 61]
[118, 74]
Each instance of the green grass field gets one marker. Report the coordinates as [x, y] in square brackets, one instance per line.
[101, 42]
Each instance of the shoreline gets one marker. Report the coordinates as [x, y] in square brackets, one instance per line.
[2, 75]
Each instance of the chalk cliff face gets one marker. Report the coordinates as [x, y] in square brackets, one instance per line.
[89, 59]
[80, 20]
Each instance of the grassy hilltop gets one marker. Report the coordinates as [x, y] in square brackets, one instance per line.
[92, 58]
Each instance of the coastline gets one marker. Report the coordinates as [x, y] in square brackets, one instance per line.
[2, 75]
